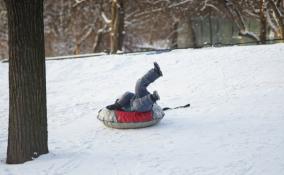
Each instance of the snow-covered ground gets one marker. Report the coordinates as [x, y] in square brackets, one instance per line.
[235, 125]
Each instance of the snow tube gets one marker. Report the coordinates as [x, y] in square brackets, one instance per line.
[130, 120]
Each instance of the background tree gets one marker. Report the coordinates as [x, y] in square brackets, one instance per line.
[117, 25]
[84, 26]
[27, 136]
[3, 31]
[263, 22]
[276, 16]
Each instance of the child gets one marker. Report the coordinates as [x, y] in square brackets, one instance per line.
[142, 100]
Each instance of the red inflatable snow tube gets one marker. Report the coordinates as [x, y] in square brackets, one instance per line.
[132, 117]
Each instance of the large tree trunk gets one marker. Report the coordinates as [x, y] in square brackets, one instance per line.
[117, 25]
[27, 136]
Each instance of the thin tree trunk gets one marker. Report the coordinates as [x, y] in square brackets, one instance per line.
[117, 25]
[263, 22]
[210, 28]
[174, 44]
[192, 33]
[121, 25]
[27, 136]
[97, 41]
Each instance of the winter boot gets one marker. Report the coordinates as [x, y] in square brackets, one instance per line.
[114, 106]
[155, 96]
[152, 75]
[157, 69]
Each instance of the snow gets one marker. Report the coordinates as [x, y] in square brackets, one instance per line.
[234, 125]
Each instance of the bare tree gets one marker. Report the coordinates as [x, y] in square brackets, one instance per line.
[269, 13]
[263, 23]
[84, 26]
[234, 9]
[74, 26]
[277, 14]
[3, 31]
[117, 25]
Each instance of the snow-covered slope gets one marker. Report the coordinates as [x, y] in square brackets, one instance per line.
[234, 125]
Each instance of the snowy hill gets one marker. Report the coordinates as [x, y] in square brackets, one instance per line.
[234, 125]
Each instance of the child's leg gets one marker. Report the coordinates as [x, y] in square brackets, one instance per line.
[143, 83]
[143, 104]
[122, 103]
[124, 100]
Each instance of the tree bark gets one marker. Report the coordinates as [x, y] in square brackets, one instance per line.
[117, 25]
[210, 28]
[27, 138]
[263, 23]
[121, 31]
[174, 40]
